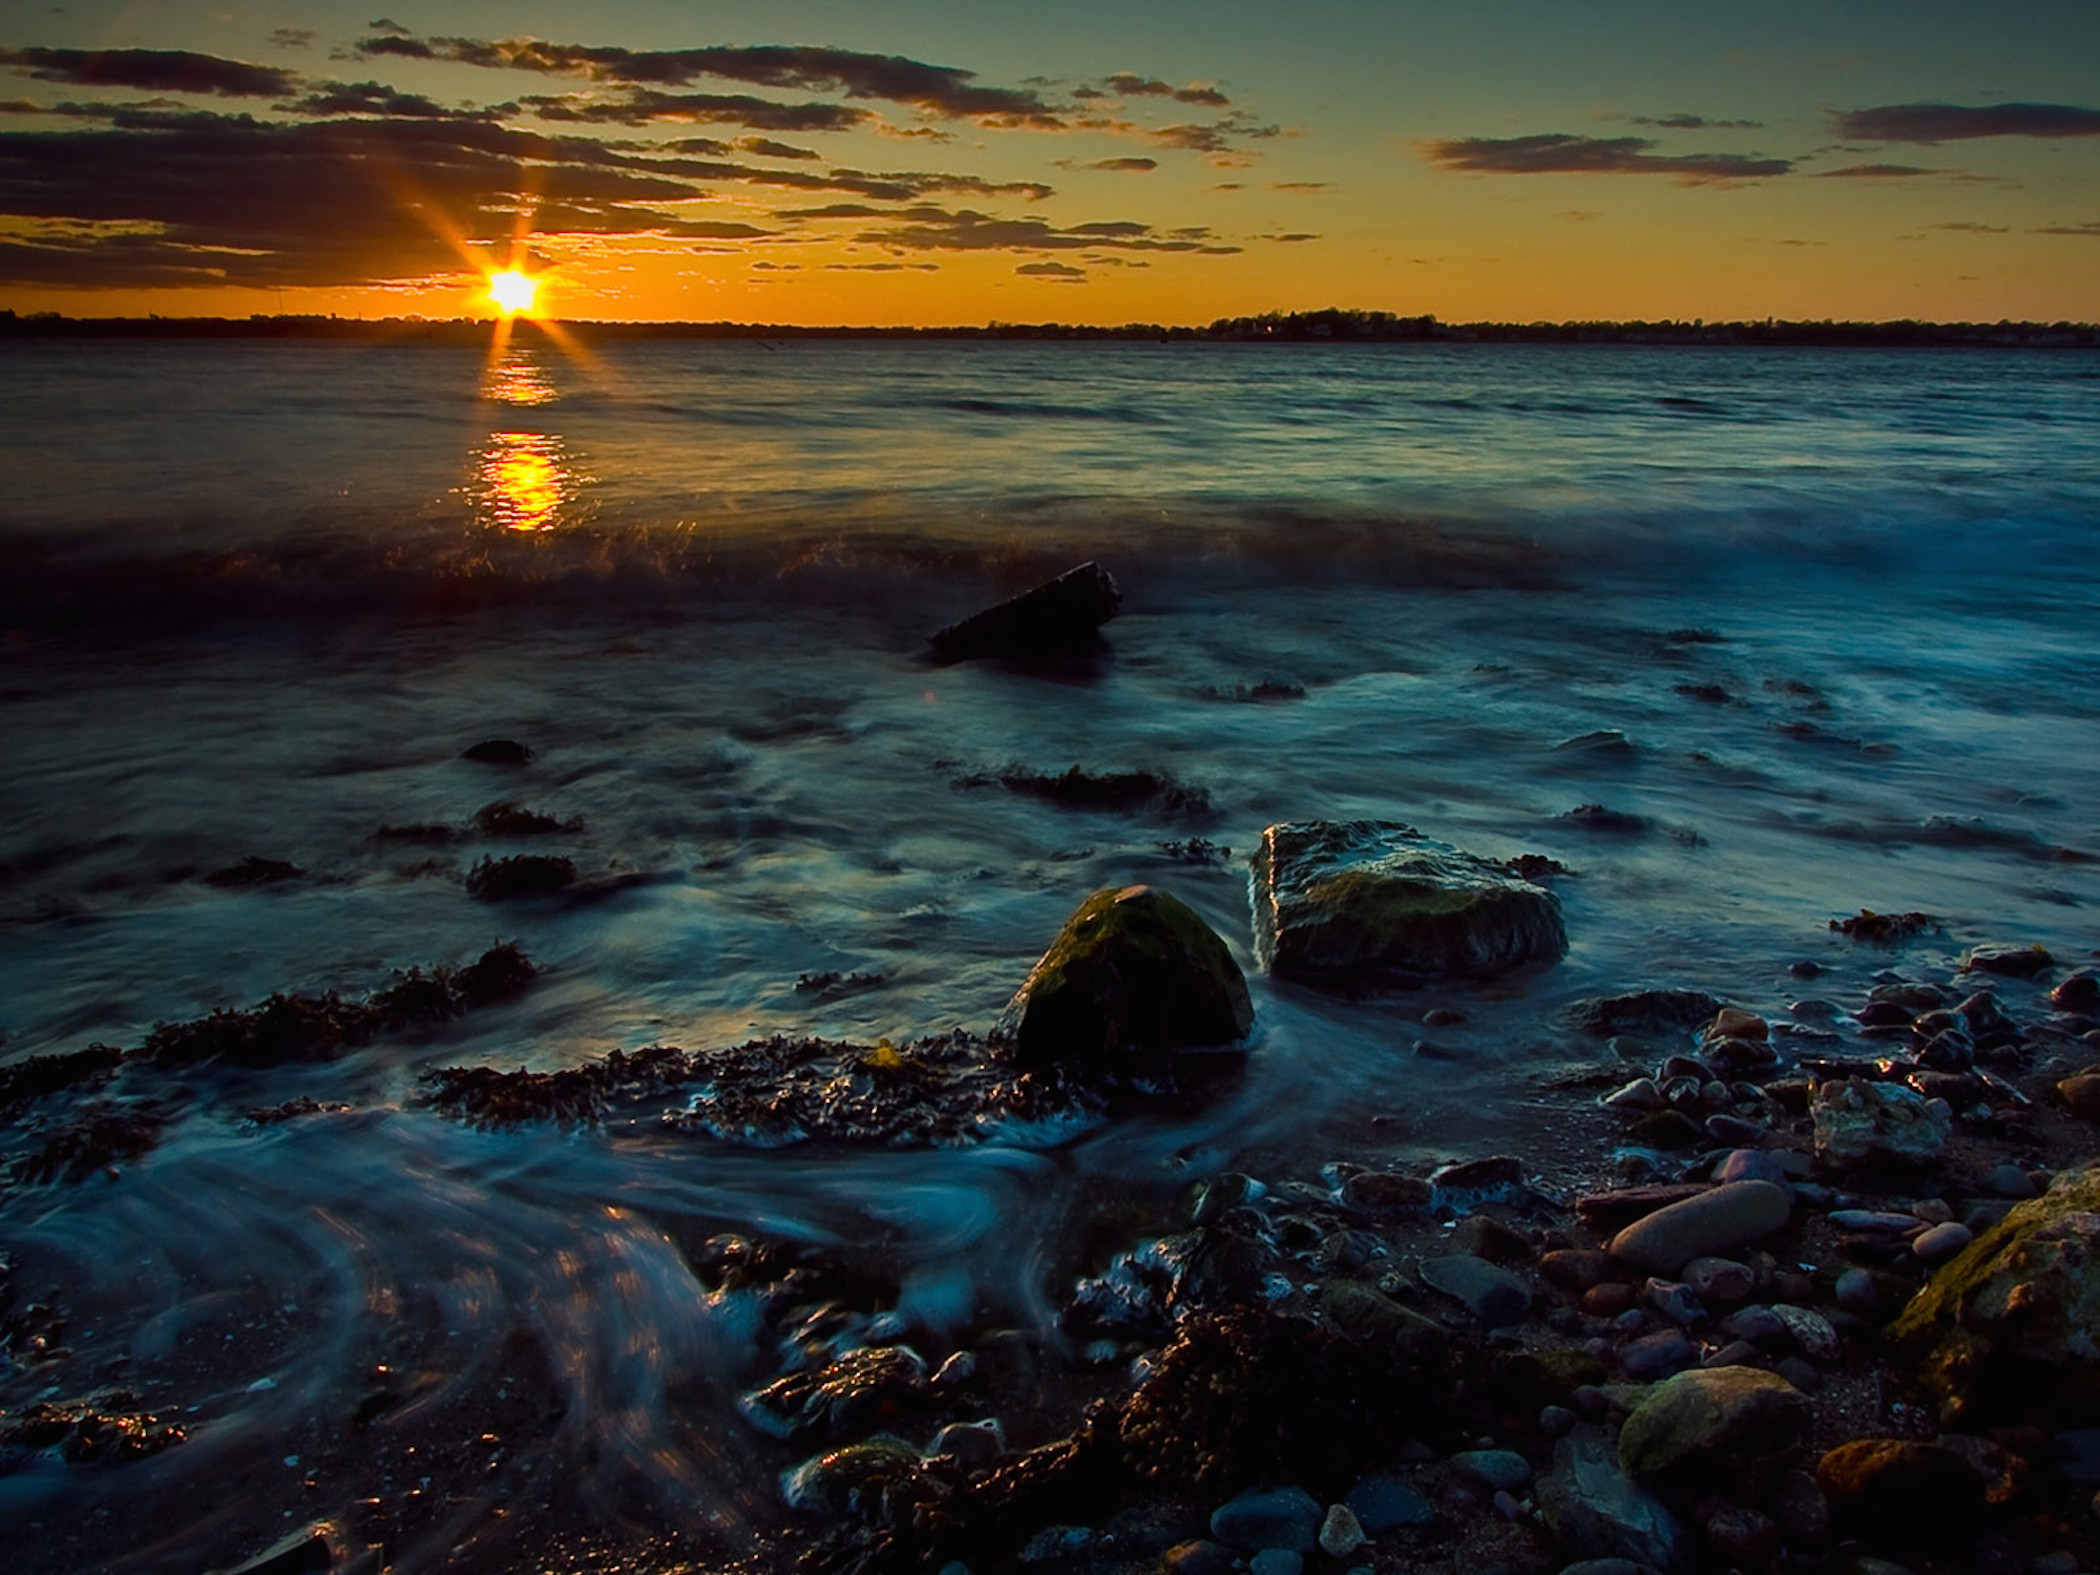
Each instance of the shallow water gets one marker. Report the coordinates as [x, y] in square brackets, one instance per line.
[258, 598]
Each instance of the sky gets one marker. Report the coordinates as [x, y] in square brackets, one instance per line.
[971, 161]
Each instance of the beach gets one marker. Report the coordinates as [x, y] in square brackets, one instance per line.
[327, 662]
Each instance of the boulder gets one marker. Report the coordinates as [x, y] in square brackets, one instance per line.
[1705, 1225]
[1133, 970]
[1058, 617]
[1712, 1426]
[2009, 1330]
[1862, 1125]
[1596, 1512]
[853, 1480]
[1344, 902]
[1902, 1492]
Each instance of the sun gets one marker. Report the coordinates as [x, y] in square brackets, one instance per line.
[513, 292]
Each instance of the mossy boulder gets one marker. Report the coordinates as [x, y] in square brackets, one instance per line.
[1134, 971]
[1711, 1427]
[1355, 901]
[2009, 1330]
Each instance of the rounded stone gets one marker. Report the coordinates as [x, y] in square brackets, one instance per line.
[1710, 1223]
[1386, 1503]
[1502, 1470]
[1285, 1517]
[1656, 1356]
[1720, 1280]
[1941, 1242]
[1341, 1533]
[1709, 1420]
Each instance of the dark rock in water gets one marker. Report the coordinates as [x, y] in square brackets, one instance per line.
[311, 1551]
[513, 820]
[1056, 618]
[526, 875]
[422, 833]
[1336, 902]
[1083, 789]
[2017, 962]
[1383, 1192]
[1595, 817]
[1884, 928]
[1362, 1312]
[2004, 1333]
[497, 752]
[1901, 1492]
[1643, 1012]
[868, 1385]
[96, 1139]
[857, 1480]
[254, 871]
[1133, 971]
[1596, 1511]
[2079, 992]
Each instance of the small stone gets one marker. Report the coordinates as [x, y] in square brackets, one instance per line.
[1492, 1469]
[1734, 1131]
[1608, 1300]
[1637, 1097]
[1276, 1561]
[1555, 1420]
[1857, 1294]
[1860, 1124]
[958, 1370]
[2017, 962]
[1575, 1268]
[1386, 1503]
[1491, 1293]
[497, 752]
[1749, 1164]
[1941, 1242]
[1712, 1426]
[1742, 1536]
[1722, 1281]
[2081, 1095]
[2010, 1181]
[1657, 1356]
[1811, 1332]
[1757, 1324]
[1341, 1533]
[1801, 1510]
[971, 1443]
[1731, 1215]
[1060, 616]
[1484, 1236]
[1736, 1353]
[1598, 1514]
[1285, 1517]
[1675, 1301]
[1732, 1023]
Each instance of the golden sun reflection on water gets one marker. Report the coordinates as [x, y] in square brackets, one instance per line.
[518, 380]
[523, 481]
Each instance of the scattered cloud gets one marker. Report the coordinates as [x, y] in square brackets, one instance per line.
[1694, 123]
[931, 228]
[1933, 123]
[767, 148]
[1057, 272]
[1128, 84]
[641, 106]
[1560, 153]
[1875, 172]
[2090, 228]
[1970, 227]
[1133, 166]
[291, 38]
[152, 70]
[375, 98]
[883, 267]
[1294, 235]
[1300, 185]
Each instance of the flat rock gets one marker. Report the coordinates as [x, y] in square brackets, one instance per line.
[1706, 1225]
[1347, 902]
[1595, 1511]
[1490, 1292]
[1133, 970]
[1058, 617]
[1861, 1125]
[2018, 962]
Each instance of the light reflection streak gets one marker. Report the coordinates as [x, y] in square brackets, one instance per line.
[523, 482]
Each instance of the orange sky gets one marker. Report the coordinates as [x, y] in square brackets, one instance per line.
[937, 165]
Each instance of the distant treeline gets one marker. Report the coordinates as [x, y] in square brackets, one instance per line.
[1333, 325]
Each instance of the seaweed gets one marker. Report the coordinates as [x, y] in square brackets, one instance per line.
[1096, 789]
[98, 1138]
[525, 875]
[1884, 929]
[506, 819]
[40, 1075]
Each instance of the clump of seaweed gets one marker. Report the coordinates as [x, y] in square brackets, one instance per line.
[524, 875]
[1884, 929]
[47, 1074]
[829, 986]
[99, 1138]
[309, 1027]
[1096, 789]
[425, 833]
[506, 819]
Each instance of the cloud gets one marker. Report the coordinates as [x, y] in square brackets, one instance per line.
[766, 148]
[1132, 166]
[386, 24]
[1875, 172]
[1294, 235]
[1970, 227]
[2090, 228]
[1935, 123]
[883, 267]
[945, 91]
[1128, 84]
[1694, 123]
[930, 228]
[375, 98]
[291, 38]
[1559, 153]
[153, 70]
[1299, 185]
[640, 106]
[1055, 272]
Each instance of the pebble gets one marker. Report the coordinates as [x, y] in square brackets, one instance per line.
[1933, 1211]
[1285, 1517]
[1493, 1469]
[1382, 1192]
[1734, 1131]
[1721, 1280]
[1554, 1420]
[1710, 1223]
[972, 1443]
[1759, 1325]
[1574, 1268]
[1811, 1331]
[1675, 1302]
[1858, 1294]
[1276, 1561]
[1385, 1503]
[1885, 1222]
[1749, 1164]
[1639, 1095]
[1506, 1505]
[1942, 1242]
[1737, 1353]
[1491, 1293]
[2010, 1181]
[1658, 1356]
[958, 1370]
[1341, 1533]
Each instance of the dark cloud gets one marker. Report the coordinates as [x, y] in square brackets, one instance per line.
[2091, 228]
[1934, 123]
[1694, 123]
[1970, 227]
[640, 106]
[946, 91]
[883, 267]
[1055, 272]
[1299, 185]
[835, 210]
[291, 38]
[375, 98]
[153, 70]
[386, 24]
[1294, 235]
[1128, 84]
[1130, 166]
[767, 148]
[930, 228]
[1558, 153]
[1875, 172]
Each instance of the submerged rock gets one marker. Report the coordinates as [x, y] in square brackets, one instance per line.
[1058, 617]
[2009, 1331]
[497, 752]
[1347, 901]
[1132, 971]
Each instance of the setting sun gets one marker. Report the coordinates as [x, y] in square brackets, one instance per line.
[513, 292]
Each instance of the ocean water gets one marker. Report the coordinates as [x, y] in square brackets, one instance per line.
[1821, 620]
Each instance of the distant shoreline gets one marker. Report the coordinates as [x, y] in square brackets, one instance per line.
[1332, 326]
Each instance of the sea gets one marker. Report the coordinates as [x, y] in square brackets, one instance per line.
[1748, 640]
